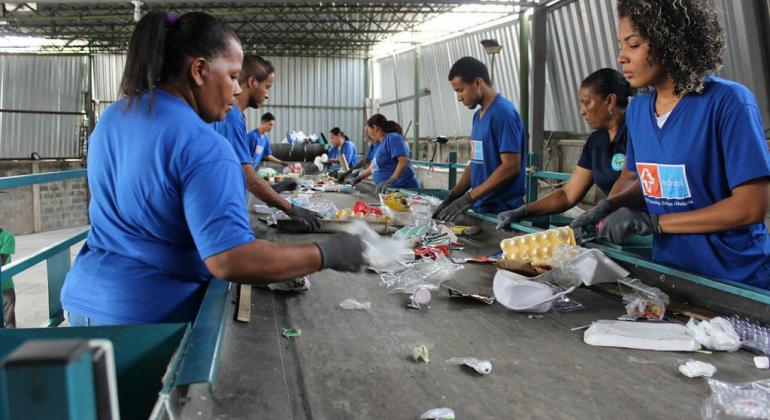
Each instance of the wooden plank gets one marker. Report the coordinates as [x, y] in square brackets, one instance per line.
[244, 303]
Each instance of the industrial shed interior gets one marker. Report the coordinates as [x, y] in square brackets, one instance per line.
[426, 297]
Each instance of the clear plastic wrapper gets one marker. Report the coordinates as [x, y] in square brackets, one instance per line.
[575, 265]
[753, 335]
[697, 369]
[441, 413]
[382, 254]
[484, 367]
[352, 304]
[716, 334]
[749, 400]
[427, 273]
[642, 301]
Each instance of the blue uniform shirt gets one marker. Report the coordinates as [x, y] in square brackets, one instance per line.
[605, 159]
[233, 128]
[385, 160]
[260, 146]
[501, 130]
[370, 151]
[166, 193]
[348, 150]
[711, 143]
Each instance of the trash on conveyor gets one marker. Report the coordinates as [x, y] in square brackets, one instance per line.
[640, 335]
[291, 332]
[524, 268]
[521, 294]
[582, 265]
[420, 296]
[325, 208]
[481, 297]
[537, 247]
[466, 230]
[413, 234]
[697, 369]
[441, 413]
[353, 304]
[717, 334]
[420, 353]
[382, 254]
[299, 284]
[427, 273]
[483, 367]
[762, 362]
[534, 316]
[750, 400]
[643, 301]
[752, 334]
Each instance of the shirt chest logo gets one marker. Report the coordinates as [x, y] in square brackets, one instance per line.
[617, 161]
[477, 151]
[259, 149]
[664, 181]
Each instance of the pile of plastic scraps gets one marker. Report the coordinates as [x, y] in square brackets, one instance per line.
[325, 208]
[382, 254]
[716, 334]
[426, 273]
[737, 401]
[753, 335]
[643, 301]
[363, 211]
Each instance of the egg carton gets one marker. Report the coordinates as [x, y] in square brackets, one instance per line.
[537, 247]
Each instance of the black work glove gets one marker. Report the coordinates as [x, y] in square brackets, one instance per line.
[307, 217]
[456, 208]
[357, 180]
[507, 217]
[452, 196]
[342, 252]
[384, 185]
[342, 175]
[288, 184]
[624, 222]
[593, 215]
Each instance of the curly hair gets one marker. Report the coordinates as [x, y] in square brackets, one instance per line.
[685, 37]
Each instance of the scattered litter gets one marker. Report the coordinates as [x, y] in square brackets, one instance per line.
[747, 400]
[420, 353]
[643, 336]
[643, 301]
[442, 413]
[762, 362]
[420, 296]
[483, 367]
[582, 265]
[717, 334]
[353, 304]
[292, 332]
[704, 351]
[753, 335]
[697, 369]
[426, 273]
[518, 293]
[466, 230]
[481, 297]
[534, 316]
[382, 254]
[582, 327]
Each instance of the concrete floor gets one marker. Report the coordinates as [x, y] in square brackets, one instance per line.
[32, 285]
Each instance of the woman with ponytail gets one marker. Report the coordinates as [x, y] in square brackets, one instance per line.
[166, 204]
[391, 167]
[342, 146]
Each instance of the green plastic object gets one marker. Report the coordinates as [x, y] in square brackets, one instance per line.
[292, 332]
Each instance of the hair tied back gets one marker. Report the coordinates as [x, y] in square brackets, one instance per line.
[171, 19]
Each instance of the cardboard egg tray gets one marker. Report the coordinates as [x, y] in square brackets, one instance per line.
[537, 247]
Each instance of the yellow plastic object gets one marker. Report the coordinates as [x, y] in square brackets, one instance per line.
[537, 247]
[396, 201]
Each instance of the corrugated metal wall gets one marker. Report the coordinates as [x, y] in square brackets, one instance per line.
[581, 37]
[311, 94]
[40, 83]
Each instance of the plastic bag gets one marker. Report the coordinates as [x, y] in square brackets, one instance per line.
[717, 334]
[352, 304]
[382, 254]
[749, 400]
[575, 265]
[643, 301]
[441, 413]
[697, 369]
[427, 273]
[753, 335]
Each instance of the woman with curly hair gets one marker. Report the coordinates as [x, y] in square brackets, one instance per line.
[696, 143]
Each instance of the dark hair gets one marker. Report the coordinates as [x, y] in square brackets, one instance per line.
[254, 65]
[379, 120]
[161, 41]
[338, 132]
[468, 69]
[267, 117]
[609, 81]
[685, 37]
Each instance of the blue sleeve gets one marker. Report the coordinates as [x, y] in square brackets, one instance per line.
[397, 147]
[212, 195]
[742, 140]
[351, 154]
[510, 133]
[630, 158]
[236, 135]
[266, 147]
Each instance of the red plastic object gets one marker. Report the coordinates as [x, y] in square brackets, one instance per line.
[361, 207]
[431, 251]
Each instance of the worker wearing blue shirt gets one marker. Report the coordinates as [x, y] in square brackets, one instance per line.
[494, 180]
[259, 141]
[166, 190]
[697, 145]
[390, 165]
[341, 146]
[255, 80]
[603, 100]
[362, 165]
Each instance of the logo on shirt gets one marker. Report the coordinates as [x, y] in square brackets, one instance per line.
[260, 149]
[477, 150]
[664, 181]
[617, 161]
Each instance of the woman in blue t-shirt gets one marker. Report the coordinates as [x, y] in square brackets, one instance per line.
[342, 146]
[696, 143]
[603, 101]
[390, 166]
[167, 191]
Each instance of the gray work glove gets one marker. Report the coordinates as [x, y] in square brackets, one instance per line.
[384, 185]
[288, 184]
[507, 217]
[456, 208]
[593, 215]
[342, 175]
[357, 180]
[307, 217]
[452, 196]
[342, 252]
[624, 222]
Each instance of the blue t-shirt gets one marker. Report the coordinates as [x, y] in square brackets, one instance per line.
[501, 130]
[370, 151]
[348, 150]
[385, 160]
[233, 128]
[711, 143]
[604, 158]
[166, 193]
[260, 146]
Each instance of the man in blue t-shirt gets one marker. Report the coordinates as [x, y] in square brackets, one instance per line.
[256, 79]
[494, 179]
[259, 141]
